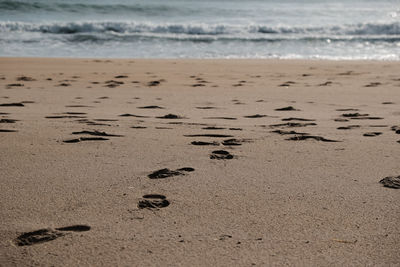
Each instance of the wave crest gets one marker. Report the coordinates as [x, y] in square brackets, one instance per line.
[198, 29]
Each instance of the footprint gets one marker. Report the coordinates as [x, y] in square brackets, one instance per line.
[63, 84]
[77, 140]
[78, 106]
[75, 113]
[221, 154]
[201, 143]
[132, 115]
[221, 118]
[372, 134]
[153, 83]
[293, 124]
[7, 121]
[347, 109]
[373, 84]
[296, 119]
[153, 201]
[348, 127]
[46, 235]
[232, 142]
[206, 107]
[391, 182]
[151, 107]
[353, 115]
[325, 83]
[208, 135]
[37, 237]
[15, 85]
[358, 116]
[105, 120]
[165, 173]
[97, 133]
[283, 132]
[286, 84]
[213, 128]
[306, 137]
[170, 116]
[341, 120]
[25, 79]
[75, 228]
[255, 116]
[289, 108]
[12, 105]
[65, 117]
[396, 129]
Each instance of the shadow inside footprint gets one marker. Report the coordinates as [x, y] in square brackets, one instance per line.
[75, 228]
[36, 237]
[153, 201]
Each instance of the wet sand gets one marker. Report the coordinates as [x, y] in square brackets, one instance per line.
[199, 162]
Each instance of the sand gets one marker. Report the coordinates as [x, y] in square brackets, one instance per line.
[165, 184]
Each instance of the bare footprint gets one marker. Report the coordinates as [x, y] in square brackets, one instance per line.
[153, 201]
[46, 235]
[221, 155]
[165, 173]
[391, 182]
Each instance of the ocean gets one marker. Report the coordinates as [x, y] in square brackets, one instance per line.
[287, 29]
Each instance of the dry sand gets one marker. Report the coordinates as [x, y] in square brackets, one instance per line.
[266, 201]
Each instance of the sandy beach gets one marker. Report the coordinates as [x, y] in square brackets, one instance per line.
[199, 162]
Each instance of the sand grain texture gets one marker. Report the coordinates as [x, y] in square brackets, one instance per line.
[276, 202]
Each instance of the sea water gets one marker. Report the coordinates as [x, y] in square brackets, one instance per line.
[298, 29]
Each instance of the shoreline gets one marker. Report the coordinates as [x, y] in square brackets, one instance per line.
[206, 59]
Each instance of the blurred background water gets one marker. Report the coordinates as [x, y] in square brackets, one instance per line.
[302, 29]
